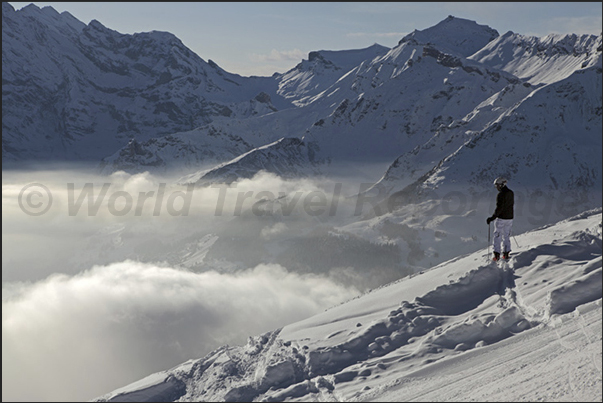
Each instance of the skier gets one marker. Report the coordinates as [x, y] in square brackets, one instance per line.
[503, 219]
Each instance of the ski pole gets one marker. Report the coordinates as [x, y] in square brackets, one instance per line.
[488, 255]
[515, 241]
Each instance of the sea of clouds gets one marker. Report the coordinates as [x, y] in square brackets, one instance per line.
[72, 330]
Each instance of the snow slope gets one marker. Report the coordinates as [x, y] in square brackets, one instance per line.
[181, 152]
[548, 139]
[467, 329]
[541, 60]
[455, 35]
[310, 77]
[283, 157]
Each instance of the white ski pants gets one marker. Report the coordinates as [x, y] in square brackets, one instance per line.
[502, 233]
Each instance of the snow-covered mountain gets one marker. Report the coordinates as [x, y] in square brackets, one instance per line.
[547, 138]
[311, 77]
[81, 92]
[424, 99]
[390, 103]
[283, 157]
[299, 86]
[77, 92]
[541, 60]
[454, 35]
[533, 325]
[440, 89]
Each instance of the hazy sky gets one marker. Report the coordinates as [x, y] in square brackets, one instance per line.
[263, 38]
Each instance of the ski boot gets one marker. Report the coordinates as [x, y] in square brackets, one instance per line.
[505, 255]
[496, 257]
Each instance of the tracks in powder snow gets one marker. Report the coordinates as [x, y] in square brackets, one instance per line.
[423, 329]
[452, 318]
[510, 294]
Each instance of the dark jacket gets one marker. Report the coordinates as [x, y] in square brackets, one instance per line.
[504, 204]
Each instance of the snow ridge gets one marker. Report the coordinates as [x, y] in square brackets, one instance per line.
[470, 306]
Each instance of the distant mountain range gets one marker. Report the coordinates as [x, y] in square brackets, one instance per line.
[448, 109]
[443, 97]
[77, 92]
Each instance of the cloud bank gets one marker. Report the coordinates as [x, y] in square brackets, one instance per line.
[77, 337]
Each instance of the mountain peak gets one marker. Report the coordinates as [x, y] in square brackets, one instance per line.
[307, 79]
[6, 7]
[346, 59]
[96, 24]
[47, 15]
[458, 35]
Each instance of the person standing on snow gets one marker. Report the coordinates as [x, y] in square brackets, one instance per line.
[503, 219]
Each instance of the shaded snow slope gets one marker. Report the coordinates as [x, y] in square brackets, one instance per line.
[286, 157]
[439, 333]
[180, 152]
[550, 142]
[72, 91]
[457, 35]
[321, 70]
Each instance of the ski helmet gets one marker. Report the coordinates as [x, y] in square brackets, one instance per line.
[500, 181]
